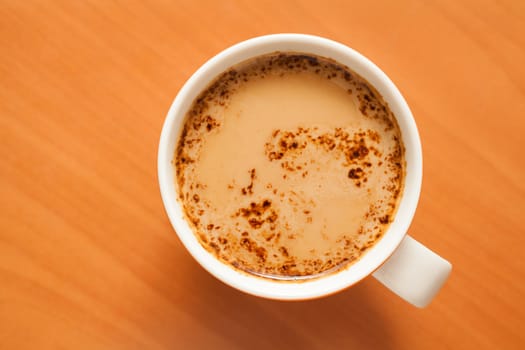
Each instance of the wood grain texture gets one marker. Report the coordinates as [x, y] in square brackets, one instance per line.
[88, 259]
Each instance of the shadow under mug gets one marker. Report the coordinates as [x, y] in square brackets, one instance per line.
[398, 261]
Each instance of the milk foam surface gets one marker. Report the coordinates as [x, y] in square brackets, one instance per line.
[289, 166]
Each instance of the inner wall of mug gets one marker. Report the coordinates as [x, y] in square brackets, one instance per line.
[373, 258]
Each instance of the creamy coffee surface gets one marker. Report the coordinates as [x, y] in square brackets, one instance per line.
[289, 166]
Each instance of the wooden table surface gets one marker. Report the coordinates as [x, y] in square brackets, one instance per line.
[88, 258]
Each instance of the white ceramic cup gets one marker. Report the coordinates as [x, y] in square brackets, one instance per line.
[398, 261]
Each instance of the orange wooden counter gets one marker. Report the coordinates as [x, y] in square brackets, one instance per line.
[88, 258]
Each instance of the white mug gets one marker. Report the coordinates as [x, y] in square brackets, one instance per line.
[398, 261]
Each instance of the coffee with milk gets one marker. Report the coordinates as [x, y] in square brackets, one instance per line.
[289, 166]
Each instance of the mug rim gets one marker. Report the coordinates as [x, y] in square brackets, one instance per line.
[373, 258]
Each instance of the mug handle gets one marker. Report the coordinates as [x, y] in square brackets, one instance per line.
[414, 272]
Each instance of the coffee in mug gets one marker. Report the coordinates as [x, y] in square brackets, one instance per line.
[289, 166]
